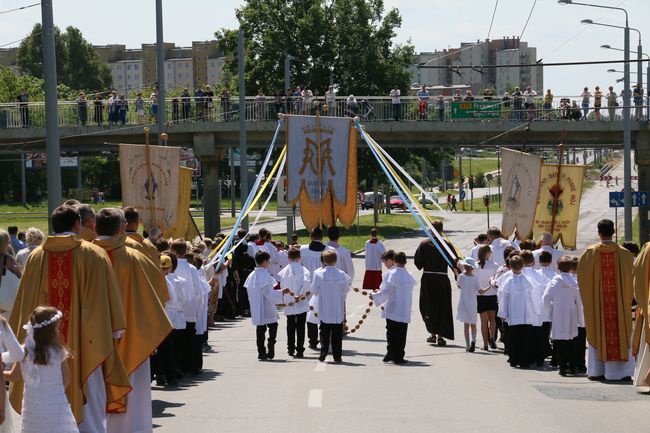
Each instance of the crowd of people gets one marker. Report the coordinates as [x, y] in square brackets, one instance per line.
[102, 310]
[201, 105]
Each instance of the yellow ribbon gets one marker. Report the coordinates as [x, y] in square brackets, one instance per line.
[257, 197]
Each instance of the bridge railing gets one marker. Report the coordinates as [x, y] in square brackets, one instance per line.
[368, 108]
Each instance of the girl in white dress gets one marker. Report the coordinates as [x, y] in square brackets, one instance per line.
[46, 375]
[470, 287]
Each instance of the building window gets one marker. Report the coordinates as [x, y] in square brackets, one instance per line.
[136, 66]
[119, 77]
[119, 67]
[128, 67]
[128, 77]
[169, 65]
[136, 76]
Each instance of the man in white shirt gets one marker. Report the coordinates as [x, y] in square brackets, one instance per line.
[192, 344]
[397, 103]
[330, 99]
[498, 244]
[344, 257]
[546, 244]
[331, 285]
[396, 295]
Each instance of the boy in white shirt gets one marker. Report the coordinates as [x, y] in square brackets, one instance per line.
[344, 257]
[540, 345]
[562, 305]
[580, 342]
[519, 309]
[311, 258]
[396, 295]
[263, 299]
[296, 278]
[374, 250]
[331, 285]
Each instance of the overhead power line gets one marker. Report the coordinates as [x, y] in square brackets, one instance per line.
[19, 9]
[492, 20]
[20, 40]
[532, 65]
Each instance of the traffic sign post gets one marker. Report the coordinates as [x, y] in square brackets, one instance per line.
[616, 200]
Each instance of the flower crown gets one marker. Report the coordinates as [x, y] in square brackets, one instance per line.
[45, 323]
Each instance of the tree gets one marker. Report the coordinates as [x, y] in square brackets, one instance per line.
[77, 63]
[11, 85]
[353, 37]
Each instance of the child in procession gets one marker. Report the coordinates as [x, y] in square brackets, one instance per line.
[331, 286]
[46, 374]
[580, 342]
[297, 279]
[467, 311]
[374, 250]
[396, 296]
[263, 300]
[519, 309]
[562, 306]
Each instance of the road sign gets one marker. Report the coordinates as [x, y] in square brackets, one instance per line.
[476, 110]
[639, 198]
[462, 195]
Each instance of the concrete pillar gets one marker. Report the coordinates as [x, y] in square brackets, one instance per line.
[642, 156]
[210, 156]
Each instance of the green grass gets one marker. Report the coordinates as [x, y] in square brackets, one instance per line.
[479, 165]
[389, 225]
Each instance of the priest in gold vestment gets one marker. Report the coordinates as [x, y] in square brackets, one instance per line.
[606, 288]
[77, 278]
[641, 342]
[147, 323]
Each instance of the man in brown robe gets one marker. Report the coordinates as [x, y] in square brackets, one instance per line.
[606, 288]
[435, 289]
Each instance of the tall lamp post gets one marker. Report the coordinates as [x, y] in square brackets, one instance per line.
[627, 125]
[609, 47]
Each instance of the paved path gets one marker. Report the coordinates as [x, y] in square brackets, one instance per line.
[442, 389]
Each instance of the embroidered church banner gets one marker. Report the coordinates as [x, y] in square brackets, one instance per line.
[184, 226]
[149, 180]
[520, 182]
[322, 169]
[561, 198]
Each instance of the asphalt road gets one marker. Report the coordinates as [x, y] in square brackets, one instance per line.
[441, 389]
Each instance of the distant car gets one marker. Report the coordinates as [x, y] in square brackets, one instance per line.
[396, 202]
[428, 198]
[369, 200]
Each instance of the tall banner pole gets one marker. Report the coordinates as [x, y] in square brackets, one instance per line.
[150, 188]
[556, 189]
[320, 172]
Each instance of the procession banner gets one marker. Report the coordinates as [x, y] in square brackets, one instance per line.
[149, 177]
[568, 193]
[520, 182]
[183, 227]
[322, 149]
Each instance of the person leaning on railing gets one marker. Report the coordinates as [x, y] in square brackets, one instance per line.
[505, 106]
[612, 103]
[548, 104]
[186, 103]
[98, 106]
[82, 108]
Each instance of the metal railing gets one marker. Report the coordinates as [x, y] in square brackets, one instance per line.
[367, 108]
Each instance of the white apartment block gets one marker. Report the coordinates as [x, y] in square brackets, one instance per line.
[178, 73]
[127, 75]
[215, 71]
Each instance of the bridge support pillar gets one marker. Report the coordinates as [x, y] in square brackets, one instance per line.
[642, 157]
[210, 156]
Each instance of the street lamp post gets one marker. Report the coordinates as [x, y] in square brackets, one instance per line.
[647, 74]
[627, 123]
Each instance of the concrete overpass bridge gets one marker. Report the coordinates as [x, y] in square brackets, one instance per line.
[210, 139]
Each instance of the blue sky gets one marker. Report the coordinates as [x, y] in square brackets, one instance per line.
[430, 24]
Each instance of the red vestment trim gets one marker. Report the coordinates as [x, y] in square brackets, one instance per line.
[60, 286]
[610, 306]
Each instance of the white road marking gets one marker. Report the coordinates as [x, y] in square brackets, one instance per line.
[315, 399]
[320, 366]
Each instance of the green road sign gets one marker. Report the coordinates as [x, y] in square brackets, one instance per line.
[475, 110]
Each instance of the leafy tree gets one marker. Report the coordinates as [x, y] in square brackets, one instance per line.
[353, 37]
[77, 63]
[11, 85]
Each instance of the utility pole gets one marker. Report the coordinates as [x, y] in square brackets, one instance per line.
[231, 155]
[160, 73]
[627, 139]
[53, 152]
[460, 179]
[287, 72]
[23, 180]
[243, 164]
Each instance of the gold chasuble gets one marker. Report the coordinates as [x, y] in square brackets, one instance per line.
[641, 294]
[86, 234]
[147, 322]
[148, 248]
[151, 267]
[606, 288]
[77, 278]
